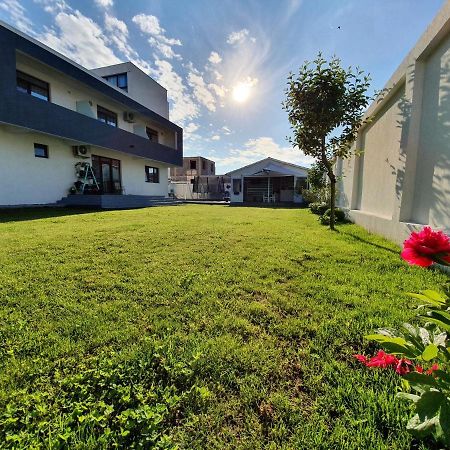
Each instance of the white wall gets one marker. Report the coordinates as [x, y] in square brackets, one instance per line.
[402, 180]
[66, 92]
[27, 180]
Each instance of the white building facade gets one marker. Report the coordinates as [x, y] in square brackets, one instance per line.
[401, 180]
[55, 114]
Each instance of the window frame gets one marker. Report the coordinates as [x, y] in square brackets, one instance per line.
[107, 113]
[31, 81]
[149, 176]
[41, 147]
[116, 77]
[152, 132]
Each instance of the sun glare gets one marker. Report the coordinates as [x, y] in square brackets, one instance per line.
[241, 92]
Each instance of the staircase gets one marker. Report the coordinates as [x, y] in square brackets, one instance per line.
[111, 201]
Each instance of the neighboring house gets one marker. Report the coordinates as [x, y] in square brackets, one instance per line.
[197, 180]
[401, 181]
[268, 180]
[194, 166]
[55, 114]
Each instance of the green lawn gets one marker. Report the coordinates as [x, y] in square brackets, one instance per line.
[197, 327]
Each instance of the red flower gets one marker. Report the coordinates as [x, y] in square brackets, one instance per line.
[382, 359]
[403, 366]
[361, 358]
[426, 247]
[419, 369]
[432, 369]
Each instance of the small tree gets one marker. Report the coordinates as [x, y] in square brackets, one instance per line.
[325, 105]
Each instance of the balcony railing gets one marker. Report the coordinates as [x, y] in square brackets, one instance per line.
[26, 111]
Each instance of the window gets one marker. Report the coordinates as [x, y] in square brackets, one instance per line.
[40, 151]
[32, 86]
[237, 186]
[203, 165]
[151, 174]
[152, 134]
[120, 80]
[106, 116]
[193, 164]
[212, 168]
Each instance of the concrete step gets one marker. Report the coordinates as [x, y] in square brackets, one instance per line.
[116, 201]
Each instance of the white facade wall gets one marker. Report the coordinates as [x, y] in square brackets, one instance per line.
[73, 95]
[28, 180]
[402, 179]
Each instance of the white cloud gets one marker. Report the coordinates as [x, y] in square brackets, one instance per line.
[17, 14]
[201, 90]
[54, 6]
[216, 137]
[239, 37]
[218, 75]
[214, 58]
[149, 24]
[226, 130]
[220, 91]
[260, 148]
[104, 3]
[81, 39]
[183, 106]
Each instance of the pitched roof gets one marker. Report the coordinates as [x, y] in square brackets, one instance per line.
[269, 161]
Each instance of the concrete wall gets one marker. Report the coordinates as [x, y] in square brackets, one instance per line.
[27, 180]
[402, 179]
[141, 87]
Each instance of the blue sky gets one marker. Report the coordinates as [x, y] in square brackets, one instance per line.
[211, 54]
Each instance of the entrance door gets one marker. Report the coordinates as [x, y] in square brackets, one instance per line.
[107, 172]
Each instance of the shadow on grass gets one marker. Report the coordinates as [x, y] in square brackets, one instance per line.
[358, 238]
[24, 214]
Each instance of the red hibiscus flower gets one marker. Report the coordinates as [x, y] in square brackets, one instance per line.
[426, 247]
[403, 366]
[432, 369]
[381, 359]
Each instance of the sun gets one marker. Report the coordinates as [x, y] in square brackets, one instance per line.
[241, 92]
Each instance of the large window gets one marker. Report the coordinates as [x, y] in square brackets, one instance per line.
[120, 80]
[151, 174]
[33, 86]
[106, 116]
[193, 164]
[152, 134]
[41, 151]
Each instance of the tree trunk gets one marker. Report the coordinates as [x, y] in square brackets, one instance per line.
[332, 199]
[332, 178]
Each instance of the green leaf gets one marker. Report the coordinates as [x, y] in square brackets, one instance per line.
[421, 379]
[430, 352]
[406, 396]
[426, 299]
[429, 403]
[433, 295]
[444, 421]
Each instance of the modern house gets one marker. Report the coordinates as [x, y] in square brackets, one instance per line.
[65, 129]
[401, 181]
[268, 181]
[197, 180]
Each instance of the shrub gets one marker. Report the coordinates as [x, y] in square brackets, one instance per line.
[338, 213]
[318, 208]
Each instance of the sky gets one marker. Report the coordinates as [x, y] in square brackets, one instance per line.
[225, 62]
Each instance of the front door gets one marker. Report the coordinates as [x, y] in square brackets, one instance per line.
[107, 172]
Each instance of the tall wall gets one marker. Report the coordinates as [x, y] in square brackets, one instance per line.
[400, 178]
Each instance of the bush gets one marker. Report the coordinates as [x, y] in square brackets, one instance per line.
[318, 208]
[339, 216]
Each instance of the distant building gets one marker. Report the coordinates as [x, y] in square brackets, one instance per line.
[268, 181]
[197, 180]
[194, 166]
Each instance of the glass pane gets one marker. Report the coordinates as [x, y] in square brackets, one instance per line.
[122, 80]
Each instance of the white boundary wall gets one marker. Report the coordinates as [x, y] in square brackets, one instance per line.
[402, 179]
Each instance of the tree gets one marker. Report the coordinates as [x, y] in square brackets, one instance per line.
[325, 105]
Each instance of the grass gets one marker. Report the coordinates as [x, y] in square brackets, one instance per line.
[200, 327]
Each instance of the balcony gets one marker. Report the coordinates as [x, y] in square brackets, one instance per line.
[26, 111]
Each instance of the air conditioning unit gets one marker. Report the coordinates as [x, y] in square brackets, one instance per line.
[128, 116]
[82, 151]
